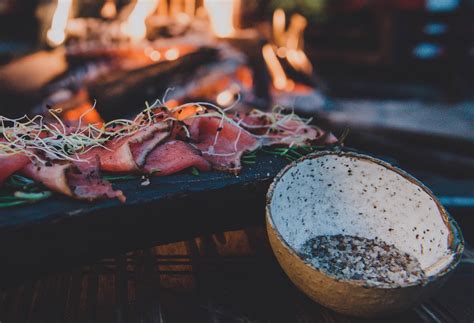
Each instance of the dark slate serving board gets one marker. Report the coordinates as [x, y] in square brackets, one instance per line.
[160, 188]
[61, 230]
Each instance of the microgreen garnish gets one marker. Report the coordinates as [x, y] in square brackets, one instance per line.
[249, 158]
[117, 178]
[32, 196]
[21, 190]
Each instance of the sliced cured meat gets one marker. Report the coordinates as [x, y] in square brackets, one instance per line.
[53, 176]
[10, 164]
[221, 142]
[128, 154]
[79, 180]
[87, 184]
[174, 156]
[140, 150]
[281, 130]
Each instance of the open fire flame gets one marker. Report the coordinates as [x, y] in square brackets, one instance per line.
[288, 45]
[109, 9]
[221, 15]
[56, 35]
[280, 81]
[135, 26]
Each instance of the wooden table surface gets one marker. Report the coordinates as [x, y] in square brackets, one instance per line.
[223, 277]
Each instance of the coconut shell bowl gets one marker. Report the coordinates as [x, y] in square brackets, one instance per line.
[341, 193]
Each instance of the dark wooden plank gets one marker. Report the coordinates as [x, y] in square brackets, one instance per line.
[73, 296]
[92, 291]
[26, 301]
[152, 292]
[121, 290]
[242, 278]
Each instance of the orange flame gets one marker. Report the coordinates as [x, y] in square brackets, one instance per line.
[295, 31]
[163, 8]
[299, 61]
[56, 35]
[108, 10]
[135, 26]
[221, 14]
[280, 81]
[290, 42]
[83, 112]
[190, 7]
[279, 27]
[172, 54]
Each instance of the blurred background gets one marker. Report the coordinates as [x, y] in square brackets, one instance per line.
[398, 73]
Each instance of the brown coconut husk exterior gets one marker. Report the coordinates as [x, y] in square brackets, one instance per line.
[352, 297]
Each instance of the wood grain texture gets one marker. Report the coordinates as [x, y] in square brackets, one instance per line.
[225, 277]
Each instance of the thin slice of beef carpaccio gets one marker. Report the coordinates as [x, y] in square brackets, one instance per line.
[174, 156]
[221, 142]
[80, 180]
[128, 154]
[10, 164]
[86, 183]
[284, 131]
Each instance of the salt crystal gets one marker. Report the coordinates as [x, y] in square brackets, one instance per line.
[356, 258]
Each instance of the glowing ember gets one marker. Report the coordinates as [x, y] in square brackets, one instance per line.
[171, 103]
[225, 98]
[163, 8]
[172, 54]
[244, 76]
[279, 27]
[280, 81]
[84, 112]
[281, 52]
[155, 56]
[295, 32]
[190, 7]
[300, 62]
[152, 53]
[175, 7]
[108, 10]
[290, 42]
[56, 34]
[135, 26]
[183, 19]
[221, 14]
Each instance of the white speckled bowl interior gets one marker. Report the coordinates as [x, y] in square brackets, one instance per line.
[349, 194]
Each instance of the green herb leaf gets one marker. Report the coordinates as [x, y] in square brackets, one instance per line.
[13, 203]
[194, 171]
[32, 196]
[18, 181]
[117, 178]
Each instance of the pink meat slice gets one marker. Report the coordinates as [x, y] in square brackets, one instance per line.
[10, 164]
[128, 154]
[174, 156]
[221, 143]
[80, 180]
[288, 132]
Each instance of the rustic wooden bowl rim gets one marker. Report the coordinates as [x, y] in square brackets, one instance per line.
[456, 237]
